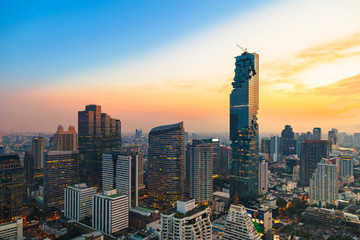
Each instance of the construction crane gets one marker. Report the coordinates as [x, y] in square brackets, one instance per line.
[245, 50]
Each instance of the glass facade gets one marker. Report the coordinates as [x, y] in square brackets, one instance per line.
[12, 187]
[244, 105]
[166, 165]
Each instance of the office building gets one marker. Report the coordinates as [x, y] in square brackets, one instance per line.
[65, 140]
[188, 222]
[120, 171]
[356, 139]
[265, 145]
[312, 151]
[317, 133]
[98, 132]
[38, 145]
[110, 212]
[29, 167]
[61, 169]
[244, 130]
[275, 143]
[216, 154]
[78, 201]
[263, 177]
[288, 141]
[346, 166]
[139, 217]
[12, 187]
[324, 184]
[166, 165]
[224, 161]
[201, 181]
[239, 225]
[12, 230]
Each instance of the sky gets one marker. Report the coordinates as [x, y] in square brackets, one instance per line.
[151, 63]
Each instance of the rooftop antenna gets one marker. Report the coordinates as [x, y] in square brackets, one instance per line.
[245, 50]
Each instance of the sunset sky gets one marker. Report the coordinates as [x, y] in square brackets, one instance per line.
[150, 63]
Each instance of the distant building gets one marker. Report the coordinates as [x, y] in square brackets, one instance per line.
[12, 230]
[38, 145]
[346, 166]
[166, 165]
[97, 133]
[239, 225]
[78, 201]
[120, 171]
[323, 216]
[333, 140]
[201, 181]
[61, 169]
[189, 222]
[356, 139]
[263, 177]
[275, 150]
[224, 160]
[216, 159]
[265, 145]
[12, 187]
[110, 212]
[244, 129]
[288, 141]
[29, 167]
[317, 133]
[324, 184]
[312, 151]
[65, 140]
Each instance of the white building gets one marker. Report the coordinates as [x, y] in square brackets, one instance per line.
[324, 184]
[12, 230]
[263, 177]
[120, 172]
[78, 201]
[238, 225]
[201, 169]
[189, 222]
[110, 212]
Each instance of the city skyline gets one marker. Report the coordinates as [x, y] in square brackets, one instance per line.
[308, 65]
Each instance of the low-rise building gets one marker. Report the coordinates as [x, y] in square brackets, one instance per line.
[140, 217]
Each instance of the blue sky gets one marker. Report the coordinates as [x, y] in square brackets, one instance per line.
[42, 41]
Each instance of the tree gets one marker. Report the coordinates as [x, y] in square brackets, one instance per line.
[280, 202]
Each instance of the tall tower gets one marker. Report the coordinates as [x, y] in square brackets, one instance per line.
[38, 145]
[166, 165]
[65, 140]
[244, 106]
[317, 133]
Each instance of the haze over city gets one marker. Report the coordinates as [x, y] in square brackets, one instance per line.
[56, 58]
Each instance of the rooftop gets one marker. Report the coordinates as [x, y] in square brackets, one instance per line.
[167, 127]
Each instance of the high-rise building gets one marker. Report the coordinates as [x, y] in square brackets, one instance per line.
[78, 201]
[110, 212]
[65, 140]
[216, 154]
[12, 187]
[12, 230]
[333, 140]
[29, 167]
[61, 169]
[346, 166]
[275, 148]
[317, 133]
[201, 181]
[265, 145]
[312, 151]
[263, 177]
[188, 222]
[38, 145]
[261, 217]
[238, 225]
[224, 161]
[98, 132]
[356, 139]
[244, 131]
[324, 184]
[166, 165]
[288, 141]
[120, 171]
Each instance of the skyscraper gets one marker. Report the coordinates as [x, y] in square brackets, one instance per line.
[312, 151]
[263, 177]
[65, 140]
[38, 145]
[97, 132]
[201, 182]
[244, 105]
[238, 225]
[166, 165]
[324, 184]
[120, 171]
[317, 133]
[12, 181]
[61, 169]
[346, 166]
[288, 142]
